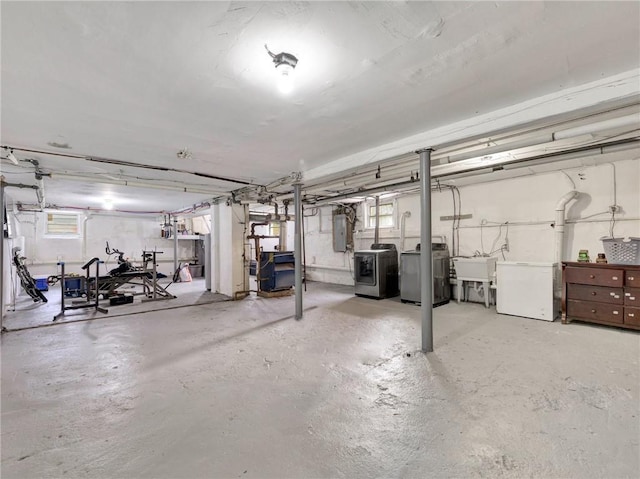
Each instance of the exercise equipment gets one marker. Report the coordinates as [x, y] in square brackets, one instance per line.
[127, 274]
[27, 282]
[92, 297]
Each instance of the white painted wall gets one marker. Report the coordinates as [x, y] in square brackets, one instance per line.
[527, 203]
[130, 234]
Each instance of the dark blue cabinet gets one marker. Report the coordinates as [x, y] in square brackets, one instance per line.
[277, 270]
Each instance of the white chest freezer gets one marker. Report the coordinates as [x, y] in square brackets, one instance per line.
[526, 289]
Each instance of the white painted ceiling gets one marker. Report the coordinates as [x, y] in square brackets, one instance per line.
[139, 81]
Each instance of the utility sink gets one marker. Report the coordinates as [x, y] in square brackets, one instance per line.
[481, 268]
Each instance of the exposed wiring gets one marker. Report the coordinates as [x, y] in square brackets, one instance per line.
[137, 165]
[612, 137]
[594, 214]
[350, 261]
[547, 222]
[495, 241]
[573, 183]
[314, 212]
[612, 223]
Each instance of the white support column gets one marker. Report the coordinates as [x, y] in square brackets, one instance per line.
[214, 252]
[228, 244]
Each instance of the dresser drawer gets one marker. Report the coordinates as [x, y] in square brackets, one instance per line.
[632, 316]
[602, 294]
[632, 297]
[632, 278]
[610, 313]
[596, 276]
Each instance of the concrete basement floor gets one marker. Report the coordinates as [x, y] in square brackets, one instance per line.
[241, 389]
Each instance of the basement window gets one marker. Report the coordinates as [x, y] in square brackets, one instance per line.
[62, 225]
[387, 214]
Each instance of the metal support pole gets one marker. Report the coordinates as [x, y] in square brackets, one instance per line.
[2, 254]
[426, 265]
[175, 244]
[297, 249]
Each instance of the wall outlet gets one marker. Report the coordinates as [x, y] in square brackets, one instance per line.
[614, 209]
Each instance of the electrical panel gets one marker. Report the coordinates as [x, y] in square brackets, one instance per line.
[344, 218]
[340, 233]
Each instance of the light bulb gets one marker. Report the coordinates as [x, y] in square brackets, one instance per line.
[285, 78]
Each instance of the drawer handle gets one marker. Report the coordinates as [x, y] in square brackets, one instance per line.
[592, 276]
[593, 293]
[616, 312]
[614, 278]
[630, 278]
[593, 311]
[632, 315]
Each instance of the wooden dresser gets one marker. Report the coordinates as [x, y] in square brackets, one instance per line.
[601, 293]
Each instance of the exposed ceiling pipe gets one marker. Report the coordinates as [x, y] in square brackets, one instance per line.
[376, 236]
[446, 164]
[363, 192]
[131, 164]
[575, 153]
[632, 120]
[478, 150]
[39, 174]
[403, 222]
[458, 171]
[87, 217]
[398, 161]
[404, 186]
[511, 135]
[134, 184]
[559, 235]
[394, 172]
[40, 192]
[190, 210]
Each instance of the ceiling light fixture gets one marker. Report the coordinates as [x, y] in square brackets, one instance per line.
[285, 63]
[10, 156]
[107, 204]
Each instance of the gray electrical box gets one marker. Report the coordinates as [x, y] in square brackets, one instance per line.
[340, 233]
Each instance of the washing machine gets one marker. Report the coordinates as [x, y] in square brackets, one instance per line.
[410, 286]
[376, 271]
